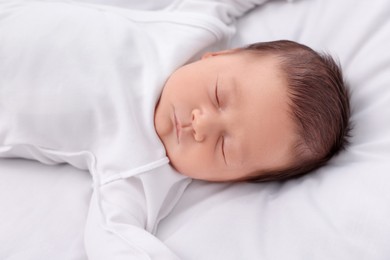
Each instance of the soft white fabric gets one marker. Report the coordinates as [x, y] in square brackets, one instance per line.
[339, 212]
[43, 210]
[79, 84]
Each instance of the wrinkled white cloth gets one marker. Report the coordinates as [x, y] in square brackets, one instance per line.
[78, 85]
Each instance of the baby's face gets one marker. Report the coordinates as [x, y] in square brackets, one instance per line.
[226, 116]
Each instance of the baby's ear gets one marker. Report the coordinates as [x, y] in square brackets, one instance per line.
[213, 54]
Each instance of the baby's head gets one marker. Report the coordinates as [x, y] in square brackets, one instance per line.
[269, 111]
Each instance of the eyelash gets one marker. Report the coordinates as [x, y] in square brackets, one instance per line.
[216, 94]
[222, 148]
[219, 105]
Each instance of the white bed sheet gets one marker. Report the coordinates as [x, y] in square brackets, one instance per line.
[42, 210]
[340, 212]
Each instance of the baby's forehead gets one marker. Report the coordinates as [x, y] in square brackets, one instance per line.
[271, 60]
[259, 54]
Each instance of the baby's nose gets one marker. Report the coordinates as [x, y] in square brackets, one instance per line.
[195, 119]
[204, 125]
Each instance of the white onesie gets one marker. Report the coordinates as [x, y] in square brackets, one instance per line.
[79, 84]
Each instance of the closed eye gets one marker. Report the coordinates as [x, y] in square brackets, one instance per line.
[216, 94]
[223, 148]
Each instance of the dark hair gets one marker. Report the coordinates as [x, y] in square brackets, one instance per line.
[319, 106]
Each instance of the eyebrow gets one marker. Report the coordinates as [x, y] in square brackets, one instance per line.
[233, 94]
[231, 88]
[236, 153]
[235, 85]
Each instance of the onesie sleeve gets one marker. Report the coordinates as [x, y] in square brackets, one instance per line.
[124, 214]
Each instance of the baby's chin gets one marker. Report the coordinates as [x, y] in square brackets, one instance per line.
[162, 128]
[173, 163]
[162, 124]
